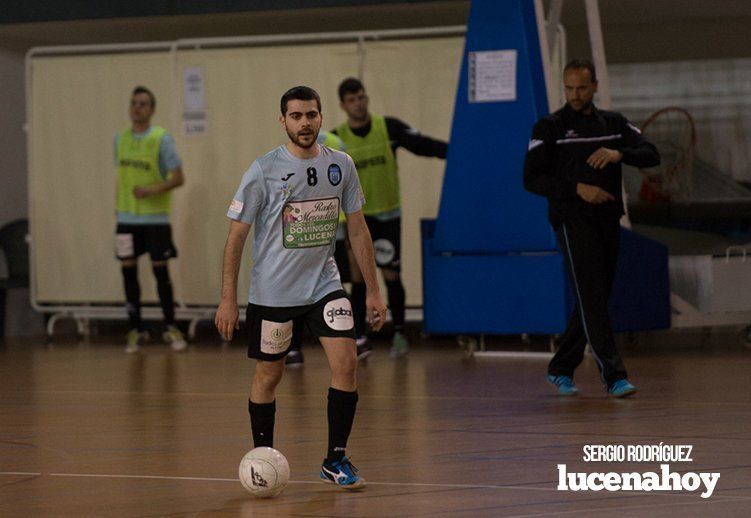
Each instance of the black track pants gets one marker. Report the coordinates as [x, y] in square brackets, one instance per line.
[590, 248]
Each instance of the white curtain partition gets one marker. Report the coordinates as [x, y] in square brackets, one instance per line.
[78, 100]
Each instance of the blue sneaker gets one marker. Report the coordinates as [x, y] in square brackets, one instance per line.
[565, 385]
[342, 473]
[621, 388]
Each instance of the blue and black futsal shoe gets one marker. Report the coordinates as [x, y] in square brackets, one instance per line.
[341, 473]
[621, 388]
[564, 384]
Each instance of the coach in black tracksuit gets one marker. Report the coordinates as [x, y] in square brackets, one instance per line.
[574, 160]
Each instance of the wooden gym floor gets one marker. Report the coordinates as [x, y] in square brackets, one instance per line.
[86, 430]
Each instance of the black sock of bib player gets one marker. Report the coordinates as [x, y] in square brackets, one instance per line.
[397, 297]
[164, 287]
[262, 423]
[341, 411]
[132, 296]
[358, 307]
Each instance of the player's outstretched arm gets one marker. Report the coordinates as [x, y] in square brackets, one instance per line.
[412, 140]
[227, 315]
[362, 247]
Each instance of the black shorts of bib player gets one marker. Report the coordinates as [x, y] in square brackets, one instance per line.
[342, 260]
[155, 240]
[387, 242]
[574, 159]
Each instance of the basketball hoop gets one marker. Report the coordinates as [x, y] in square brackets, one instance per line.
[672, 131]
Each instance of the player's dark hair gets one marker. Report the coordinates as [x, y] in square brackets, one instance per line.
[144, 90]
[581, 64]
[301, 93]
[350, 85]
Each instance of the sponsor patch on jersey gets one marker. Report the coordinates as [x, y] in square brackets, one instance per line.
[236, 206]
[335, 174]
[338, 314]
[276, 337]
[309, 223]
[384, 251]
[124, 245]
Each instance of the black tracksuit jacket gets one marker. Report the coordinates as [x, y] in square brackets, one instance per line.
[557, 160]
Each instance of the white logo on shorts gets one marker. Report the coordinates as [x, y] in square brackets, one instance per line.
[124, 245]
[338, 314]
[276, 337]
[384, 251]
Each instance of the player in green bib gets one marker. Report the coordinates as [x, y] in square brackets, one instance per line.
[148, 168]
[372, 140]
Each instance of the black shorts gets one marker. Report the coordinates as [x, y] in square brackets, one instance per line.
[342, 260]
[272, 331]
[387, 242]
[132, 241]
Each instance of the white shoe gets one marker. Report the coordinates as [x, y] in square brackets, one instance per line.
[175, 338]
[134, 339]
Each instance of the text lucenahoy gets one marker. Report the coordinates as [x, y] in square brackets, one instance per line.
[665, 480]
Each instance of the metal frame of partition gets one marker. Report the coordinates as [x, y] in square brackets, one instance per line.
[82, 314]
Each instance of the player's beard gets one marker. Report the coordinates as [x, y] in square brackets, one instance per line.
[295, 138]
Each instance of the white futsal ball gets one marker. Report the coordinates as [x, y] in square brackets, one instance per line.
[264, 472]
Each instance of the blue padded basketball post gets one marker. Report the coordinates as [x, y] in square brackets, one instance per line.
[491, 264]
[484, 207]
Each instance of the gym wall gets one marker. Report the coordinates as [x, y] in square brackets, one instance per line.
[80, 102]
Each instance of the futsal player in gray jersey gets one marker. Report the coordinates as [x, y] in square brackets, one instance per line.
[293, 195]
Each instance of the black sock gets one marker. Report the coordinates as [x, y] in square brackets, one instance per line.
[358, 307]
[262, 423]
[396, 295]
[341, 411]
[132, 296]
[164, 287]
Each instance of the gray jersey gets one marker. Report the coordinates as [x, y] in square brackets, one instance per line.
[295, 205]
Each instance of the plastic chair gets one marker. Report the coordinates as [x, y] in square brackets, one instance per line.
[15, 247]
